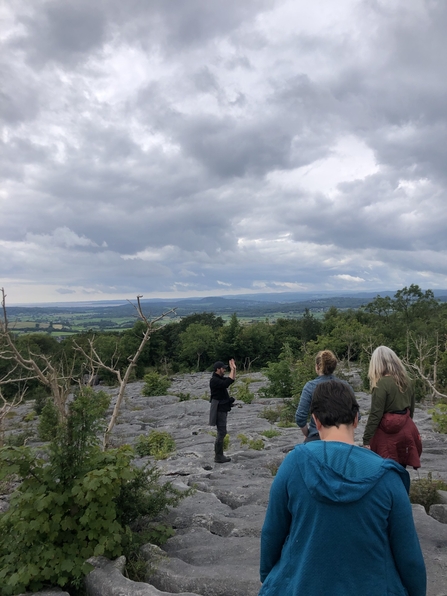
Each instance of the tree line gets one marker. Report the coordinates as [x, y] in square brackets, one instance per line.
[412, 322]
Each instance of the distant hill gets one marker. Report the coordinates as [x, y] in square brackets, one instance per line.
[249, 305]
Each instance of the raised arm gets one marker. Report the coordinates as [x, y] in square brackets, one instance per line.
[232, 365]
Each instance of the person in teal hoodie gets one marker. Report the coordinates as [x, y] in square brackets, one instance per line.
[339, 520]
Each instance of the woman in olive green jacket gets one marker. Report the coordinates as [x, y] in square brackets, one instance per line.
[390, 430]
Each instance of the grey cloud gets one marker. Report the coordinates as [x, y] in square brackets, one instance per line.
[205, 81]
[165, 146]
[187, 25]
[19, 97]
[62, 32]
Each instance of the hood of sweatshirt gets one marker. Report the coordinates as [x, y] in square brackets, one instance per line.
[338, 472]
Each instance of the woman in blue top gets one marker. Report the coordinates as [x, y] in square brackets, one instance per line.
[339, 520]
[325, 364]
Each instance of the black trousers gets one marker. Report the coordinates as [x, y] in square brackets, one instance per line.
[221, 426]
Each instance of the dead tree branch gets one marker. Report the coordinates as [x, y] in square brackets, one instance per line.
[96, 362]
[37, 366]
[6, 406]
[426, 363]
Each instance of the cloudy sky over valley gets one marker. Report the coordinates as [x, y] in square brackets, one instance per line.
[197, 148]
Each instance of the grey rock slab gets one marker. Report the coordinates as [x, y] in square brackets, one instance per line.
[201, 503]
[107, 580]
[209, 564]
[439, 512]
[216, 549]
[55, 592]
[433, 540]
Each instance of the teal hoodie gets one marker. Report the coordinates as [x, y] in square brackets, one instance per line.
[339, 523]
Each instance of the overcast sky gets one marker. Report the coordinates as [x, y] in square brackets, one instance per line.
[205, 147]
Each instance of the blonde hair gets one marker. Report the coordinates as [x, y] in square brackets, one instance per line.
[326, 362]
[385, 362]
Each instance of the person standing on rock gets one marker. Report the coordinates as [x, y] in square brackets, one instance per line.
[339, 520]
[390, 430]
[325, 365]
[221, 404]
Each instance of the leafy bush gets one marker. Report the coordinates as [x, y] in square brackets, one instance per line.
[271, 414]
[75, 503]
[159, 444]
[256, 444]
[287, 379]
[18, 439]
[280, 375]
[40, 395]
[29, 417]
[303, 371]
[183, 396]
[48, 422]
[226, 442]
[270, 433]
[155, 384]
[439, 417]
[273, 466]
[286, 424]
[149, 533]
[425, 491]
[243, 392]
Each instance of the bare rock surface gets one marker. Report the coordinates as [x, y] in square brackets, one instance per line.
[215, 551]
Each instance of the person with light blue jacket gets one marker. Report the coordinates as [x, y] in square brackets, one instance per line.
[325, 365]
[339, 520]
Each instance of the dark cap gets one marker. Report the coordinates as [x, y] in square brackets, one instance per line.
[219, 364]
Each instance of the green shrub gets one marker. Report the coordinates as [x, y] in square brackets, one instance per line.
[243, 439]
[159, 444]
[183, 396]
[439, 417]
[48, 422]
[75, 503]
[270, 433]
[40, 395]
[256, 444]
[286, 424]
[425, 491]
[18, 439]
[288, 411]
[271, 414]
[273, 466]
[280, 376]
[155, 384]
[148, 533]
[243, 392]
[226, 442]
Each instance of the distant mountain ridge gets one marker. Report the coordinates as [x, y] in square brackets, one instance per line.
[250, 306]
[272, 297]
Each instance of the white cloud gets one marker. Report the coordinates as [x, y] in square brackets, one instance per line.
[349, 278]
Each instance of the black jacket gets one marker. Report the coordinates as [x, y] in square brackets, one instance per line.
[219, 391]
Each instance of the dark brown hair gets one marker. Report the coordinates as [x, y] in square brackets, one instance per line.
[333, 403]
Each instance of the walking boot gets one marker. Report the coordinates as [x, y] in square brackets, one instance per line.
[219, 456]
